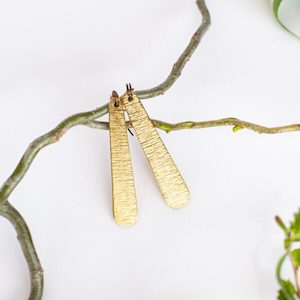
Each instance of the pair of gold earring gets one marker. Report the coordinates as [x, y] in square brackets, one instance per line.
[171, 183]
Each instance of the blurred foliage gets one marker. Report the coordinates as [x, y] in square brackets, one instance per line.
[276, 9]
[289, 290]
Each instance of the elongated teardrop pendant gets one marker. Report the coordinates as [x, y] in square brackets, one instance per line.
[123, 191]
[171, 183]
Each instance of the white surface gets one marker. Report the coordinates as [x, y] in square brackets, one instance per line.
[61, 57]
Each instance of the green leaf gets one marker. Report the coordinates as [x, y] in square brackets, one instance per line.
[276, 5]
[295, 224]
[281, 224]
[276, 8]
[287, 291]
[296, 257]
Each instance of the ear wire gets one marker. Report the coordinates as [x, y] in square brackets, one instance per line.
[116, 98]
[129, 90]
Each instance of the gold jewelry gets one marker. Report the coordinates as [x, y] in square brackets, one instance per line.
[123, 191]
[171, 183]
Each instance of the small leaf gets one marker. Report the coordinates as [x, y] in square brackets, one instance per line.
[237, 128]
[287, 291]
[295, 224]
[165, 127]
[162, 125]
[281, 224]
[296, 257]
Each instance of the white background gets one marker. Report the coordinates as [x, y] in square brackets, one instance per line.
[61, 57]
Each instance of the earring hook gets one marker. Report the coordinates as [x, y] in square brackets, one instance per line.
[116, 98]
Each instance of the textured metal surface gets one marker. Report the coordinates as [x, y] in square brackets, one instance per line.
[171, 183]
[123, 190]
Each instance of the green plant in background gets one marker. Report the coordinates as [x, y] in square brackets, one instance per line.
[276, 6]
[276, 9]
[289, 290]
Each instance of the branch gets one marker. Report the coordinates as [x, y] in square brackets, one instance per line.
[87, 118]
[184, 57]
[25, 240]
[14, 217]
[49, 138]
[82, 118]
[238, 124]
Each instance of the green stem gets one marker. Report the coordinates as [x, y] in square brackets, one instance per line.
[279, 278]
[25, 240]
[183, 58]
[49, 138]
[168, 127]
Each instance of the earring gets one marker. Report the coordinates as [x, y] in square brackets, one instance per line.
[171, 183]
[123, 190]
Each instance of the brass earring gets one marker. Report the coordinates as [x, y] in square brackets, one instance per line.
[169, 179]
[123, 190]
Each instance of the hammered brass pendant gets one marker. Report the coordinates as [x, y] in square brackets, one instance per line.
[171, 183]
[123, 190]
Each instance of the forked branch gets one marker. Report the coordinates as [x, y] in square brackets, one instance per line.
[12, 215]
